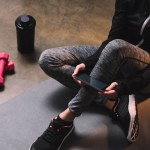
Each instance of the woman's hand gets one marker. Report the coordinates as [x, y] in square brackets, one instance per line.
[109, 92]
[78, 68]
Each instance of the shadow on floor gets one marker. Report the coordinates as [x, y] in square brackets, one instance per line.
[31, 58]
[115, 140]
[112, 139]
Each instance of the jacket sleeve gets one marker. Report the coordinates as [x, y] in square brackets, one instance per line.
[134, 84]
[117, 30]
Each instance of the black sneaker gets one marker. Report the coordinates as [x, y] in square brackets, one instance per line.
[53, 137]
[125, 111]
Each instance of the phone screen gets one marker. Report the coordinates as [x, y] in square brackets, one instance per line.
[88, 80]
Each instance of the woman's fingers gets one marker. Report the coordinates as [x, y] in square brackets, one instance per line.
[78, 68]
[109, 92]
[76, 71]
[76, 80]
[111, 86]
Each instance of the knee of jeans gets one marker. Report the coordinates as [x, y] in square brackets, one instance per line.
[43, 59]
[116, 46]
[48, 60]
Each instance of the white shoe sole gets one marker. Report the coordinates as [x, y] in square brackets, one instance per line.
[132, 111]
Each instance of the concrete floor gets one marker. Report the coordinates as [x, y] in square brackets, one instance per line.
[59, 23]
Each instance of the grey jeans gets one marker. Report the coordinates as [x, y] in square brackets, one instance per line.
[118, 57]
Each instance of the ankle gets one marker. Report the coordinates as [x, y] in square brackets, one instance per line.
[67, 115]
[64, 122]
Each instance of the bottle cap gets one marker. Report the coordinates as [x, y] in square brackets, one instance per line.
[25, 21]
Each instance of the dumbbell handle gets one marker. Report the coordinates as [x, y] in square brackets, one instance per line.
[2, 69]
[3, 62]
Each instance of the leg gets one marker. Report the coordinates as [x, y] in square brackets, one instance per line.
[132, 60]
[59, 63]
[120, 57]
[107, 65]
[115, 56]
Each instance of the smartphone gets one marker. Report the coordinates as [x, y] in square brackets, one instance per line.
[88, 80]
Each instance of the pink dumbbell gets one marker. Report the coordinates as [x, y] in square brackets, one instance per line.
[5, 65]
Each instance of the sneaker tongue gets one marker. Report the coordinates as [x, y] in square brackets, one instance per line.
[56, 124]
